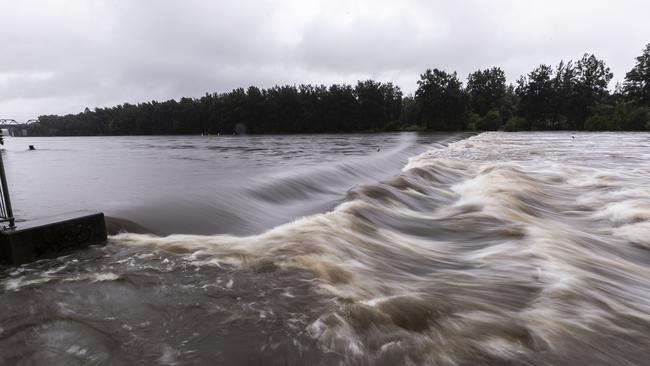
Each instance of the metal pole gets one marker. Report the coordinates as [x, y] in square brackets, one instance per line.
[5, 193]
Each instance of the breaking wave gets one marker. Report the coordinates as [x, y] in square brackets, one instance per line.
[503, 248]
[499, 248]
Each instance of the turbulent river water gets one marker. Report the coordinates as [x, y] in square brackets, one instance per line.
[395, 249]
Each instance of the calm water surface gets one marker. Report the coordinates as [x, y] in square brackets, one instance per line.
[499, 249]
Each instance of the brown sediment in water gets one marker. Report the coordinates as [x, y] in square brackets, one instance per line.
[477, 253]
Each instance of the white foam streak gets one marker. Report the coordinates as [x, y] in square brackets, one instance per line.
[507, 243]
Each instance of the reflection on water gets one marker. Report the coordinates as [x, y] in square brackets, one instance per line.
[503, 248]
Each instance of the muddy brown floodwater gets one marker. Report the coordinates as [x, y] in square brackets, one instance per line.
[449, 249]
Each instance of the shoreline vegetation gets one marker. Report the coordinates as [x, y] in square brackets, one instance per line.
[573, 95]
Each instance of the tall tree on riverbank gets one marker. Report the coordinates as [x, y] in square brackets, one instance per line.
[592, 79]
[441, 101]
[573, 95]
[371, 105]
[563, 84]
[637, 81]
[342, 109]
[486, 90]
[536, 94]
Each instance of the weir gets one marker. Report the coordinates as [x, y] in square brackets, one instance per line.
[30, 240]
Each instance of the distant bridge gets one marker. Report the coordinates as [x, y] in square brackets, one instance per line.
[14, 127]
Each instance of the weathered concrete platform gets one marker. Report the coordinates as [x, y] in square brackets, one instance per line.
[52, 236]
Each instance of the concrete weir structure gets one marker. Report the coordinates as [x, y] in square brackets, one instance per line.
[51, 237]
[27, 241]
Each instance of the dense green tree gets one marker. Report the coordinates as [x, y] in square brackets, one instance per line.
[592, 79]
[491, 121]
[563, 84]
[409, 113]
[573, 95]
[441, 101]
[638, 119]
[255, 109]
[515, 124]
[487, 90]
[371, 105]
[637, 80]
[392, 95]
[598, 123]
[536, 93]
[342, 112]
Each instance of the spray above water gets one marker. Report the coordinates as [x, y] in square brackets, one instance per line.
[498, 249]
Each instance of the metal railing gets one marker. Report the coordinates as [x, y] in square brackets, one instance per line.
[6, 213]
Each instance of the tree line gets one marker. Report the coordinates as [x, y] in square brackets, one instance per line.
[572, 95]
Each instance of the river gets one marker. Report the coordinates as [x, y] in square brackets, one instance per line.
[422, 249]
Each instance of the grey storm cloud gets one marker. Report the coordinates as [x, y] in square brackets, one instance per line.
[60, 56]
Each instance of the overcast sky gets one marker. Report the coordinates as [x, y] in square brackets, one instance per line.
[59, 56]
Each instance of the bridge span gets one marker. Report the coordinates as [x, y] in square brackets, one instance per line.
[14, 127]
